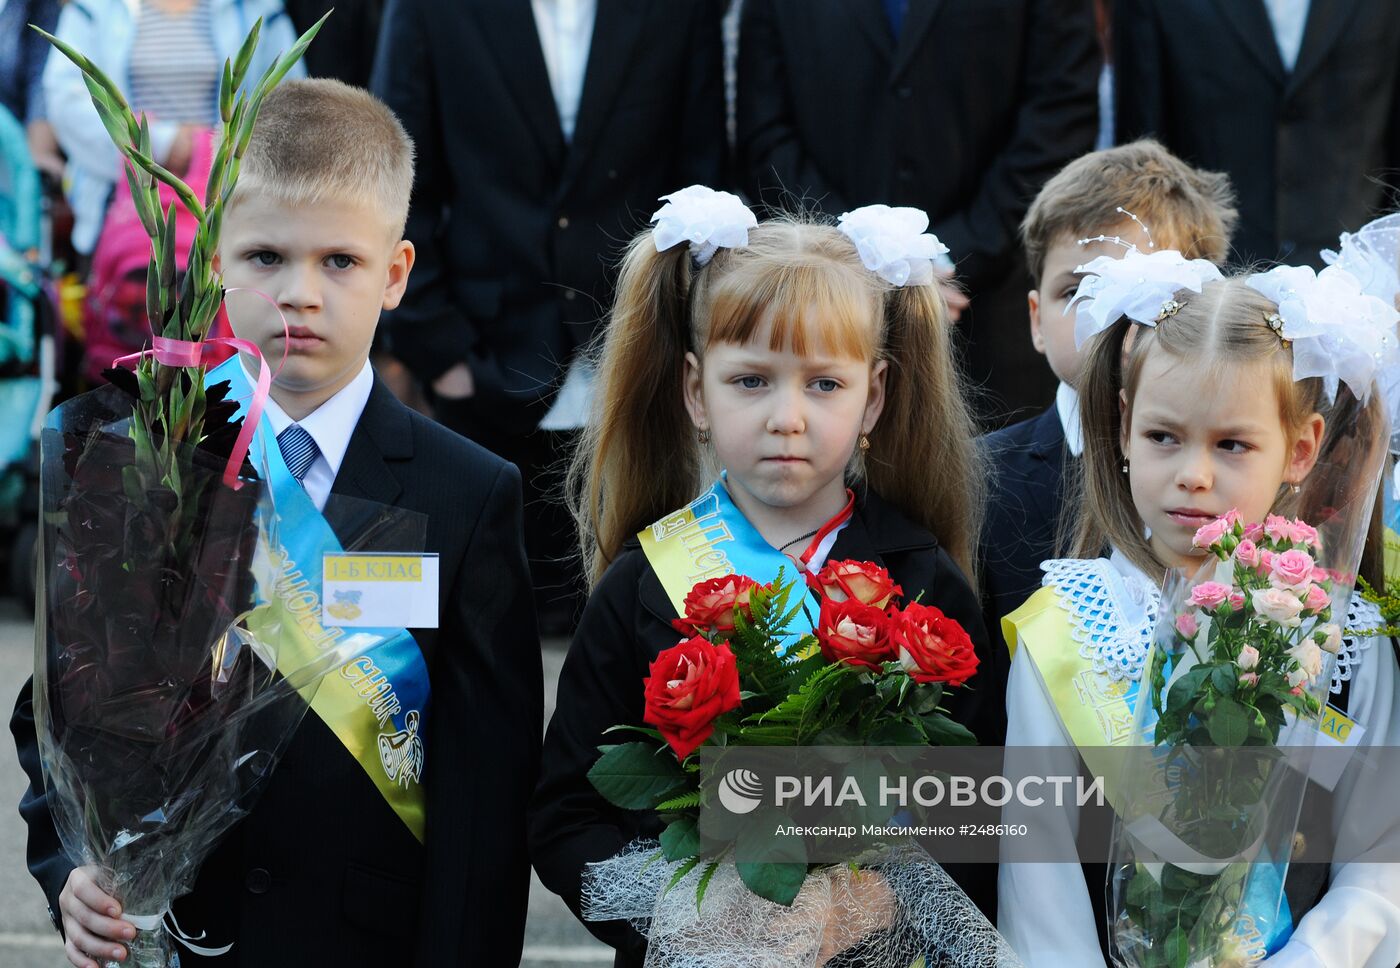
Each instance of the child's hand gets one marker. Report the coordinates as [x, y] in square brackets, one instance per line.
[91, 921]
[859, 905]
[864, 905]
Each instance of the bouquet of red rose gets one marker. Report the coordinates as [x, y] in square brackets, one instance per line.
[1204, 841]
[871, 673]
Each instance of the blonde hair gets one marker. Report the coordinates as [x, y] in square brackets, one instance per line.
[1184, 208]
[1224, 322]
[320, 139]
[639, 459]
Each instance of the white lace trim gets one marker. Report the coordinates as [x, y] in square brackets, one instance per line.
[1114, 635]
[1361, 615]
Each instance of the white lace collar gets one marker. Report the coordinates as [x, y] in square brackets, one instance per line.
[1113, 607]
[1361, 615]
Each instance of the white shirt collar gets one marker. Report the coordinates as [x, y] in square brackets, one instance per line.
[333, 423]
[1290, 22]
[1067, 405]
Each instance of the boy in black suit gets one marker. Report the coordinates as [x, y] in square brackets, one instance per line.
[1177, 207]
[326, 869]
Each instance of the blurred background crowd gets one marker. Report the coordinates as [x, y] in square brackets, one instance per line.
[546, 130]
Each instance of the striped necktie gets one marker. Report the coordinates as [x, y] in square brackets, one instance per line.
[299, 450]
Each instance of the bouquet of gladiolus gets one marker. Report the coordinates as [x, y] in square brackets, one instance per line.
[872, 673]
[1247, 656]
[158, 708]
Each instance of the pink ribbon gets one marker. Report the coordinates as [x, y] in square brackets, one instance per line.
[193, 353]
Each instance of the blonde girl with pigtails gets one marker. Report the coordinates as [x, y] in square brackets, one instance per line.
[771, 395]
[1201, 395]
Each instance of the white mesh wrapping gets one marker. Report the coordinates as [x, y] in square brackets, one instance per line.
[931, 918]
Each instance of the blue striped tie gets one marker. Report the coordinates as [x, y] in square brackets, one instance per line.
[299, 450]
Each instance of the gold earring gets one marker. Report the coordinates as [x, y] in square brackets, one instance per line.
[864, 443]
[702, 435]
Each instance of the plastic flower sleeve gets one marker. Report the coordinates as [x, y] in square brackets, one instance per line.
[165, 684]
[1228, 711]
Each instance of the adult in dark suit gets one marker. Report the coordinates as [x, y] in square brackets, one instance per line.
[1306, 123]
[344, 49]
[959, 107]
[525, 195]
[322, 871]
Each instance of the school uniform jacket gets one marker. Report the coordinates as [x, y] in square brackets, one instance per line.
[1028, 462]
[628, 622]
[322, 872]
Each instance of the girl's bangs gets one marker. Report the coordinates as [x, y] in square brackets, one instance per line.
[807, 308]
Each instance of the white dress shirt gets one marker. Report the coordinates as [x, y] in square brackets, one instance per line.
[1067, 406]
[566, 34]
[331, 425]
[1290, 20]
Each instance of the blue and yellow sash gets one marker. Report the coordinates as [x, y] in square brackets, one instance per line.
[711, 538]
[1098, 711]
[377, 702]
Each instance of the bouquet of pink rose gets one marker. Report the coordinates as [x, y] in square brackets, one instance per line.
[1264, 640]
[1248, 651]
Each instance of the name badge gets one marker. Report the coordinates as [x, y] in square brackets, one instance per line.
[1335, 734]
[379, 591]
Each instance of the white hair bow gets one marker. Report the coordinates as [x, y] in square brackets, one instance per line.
[707, 219]
[1339, 333]
[894, 243]
[1139, 285]
[1372, 255]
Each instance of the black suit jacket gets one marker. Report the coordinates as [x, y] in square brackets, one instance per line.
[321, 871]
[965, 116]
[628, 622]
[516, 229]
[344, 47]
[1025, 506]
[1306, 150]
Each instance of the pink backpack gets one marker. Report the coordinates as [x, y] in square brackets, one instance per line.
[114, 310]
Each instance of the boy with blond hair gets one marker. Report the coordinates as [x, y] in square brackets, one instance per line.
[336, 863]
[1142, 195]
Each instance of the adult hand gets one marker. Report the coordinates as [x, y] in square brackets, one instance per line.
[177, 159]
[456, 383]
[91, 921]
[953, 294]
[44, 149]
